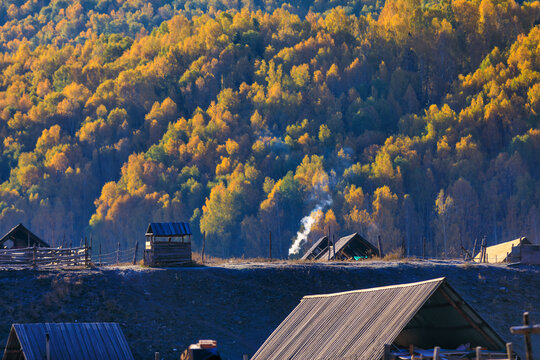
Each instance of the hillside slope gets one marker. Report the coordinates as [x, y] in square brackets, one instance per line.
[239, 305]
[418, 120]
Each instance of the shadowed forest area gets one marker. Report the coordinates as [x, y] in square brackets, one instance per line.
[403, 119]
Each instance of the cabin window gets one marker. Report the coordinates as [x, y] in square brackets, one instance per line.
[8, 244]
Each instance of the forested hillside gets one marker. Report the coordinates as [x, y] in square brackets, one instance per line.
[401, 119]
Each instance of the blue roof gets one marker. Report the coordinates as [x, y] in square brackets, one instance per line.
[168, 229]
[84, 341]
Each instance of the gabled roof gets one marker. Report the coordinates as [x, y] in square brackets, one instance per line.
[321, 244]
[357, 324]
[20, 231]
[83, 341]
[357, 243]
[168, 229]
[499, 252]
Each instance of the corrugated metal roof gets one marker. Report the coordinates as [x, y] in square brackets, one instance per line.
[21, 231]
[168, 229]
[357, 324]
[82, 341]
[498, 253]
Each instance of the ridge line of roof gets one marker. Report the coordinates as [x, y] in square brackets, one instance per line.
[441, 279]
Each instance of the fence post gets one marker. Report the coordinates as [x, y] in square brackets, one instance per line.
[270, 244]
[478, 353]
[203, 246]
[118, 253]
[34, 265]
[86, 262]
[423, 247]
[380, 246]
[483, 250]
[528, 345]
[135, 254]
[156, 356]
[509, 350]
[334, 244]
[436, 353]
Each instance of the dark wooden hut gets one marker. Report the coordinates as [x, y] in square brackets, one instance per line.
[358, 324]
[350, 247]
[20, 237]
[65, 341]
[316, 249]
[166, 244]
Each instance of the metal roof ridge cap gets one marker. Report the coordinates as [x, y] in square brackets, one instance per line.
[441, 279]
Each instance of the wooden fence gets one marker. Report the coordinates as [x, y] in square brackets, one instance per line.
[37, 257]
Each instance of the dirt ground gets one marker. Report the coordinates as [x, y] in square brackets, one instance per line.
[240, 304]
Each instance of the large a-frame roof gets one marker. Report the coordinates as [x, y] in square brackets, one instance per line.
[22, 232]
[357, 324]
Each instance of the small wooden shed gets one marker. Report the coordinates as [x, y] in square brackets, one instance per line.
[166, 244]
[65, 341]
[20, 237]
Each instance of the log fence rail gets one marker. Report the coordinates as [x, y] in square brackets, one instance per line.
[40, 257]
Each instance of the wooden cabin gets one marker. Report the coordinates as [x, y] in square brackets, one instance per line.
[64, 341]
[168, 244]
[20, 237]
[364, 324]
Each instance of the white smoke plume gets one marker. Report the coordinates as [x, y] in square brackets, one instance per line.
[307, 222]
[301, 236]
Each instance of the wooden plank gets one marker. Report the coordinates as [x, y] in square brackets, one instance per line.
[530, 329]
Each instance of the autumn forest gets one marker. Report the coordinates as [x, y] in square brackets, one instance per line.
[403, 119]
